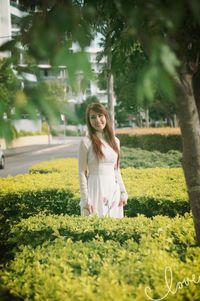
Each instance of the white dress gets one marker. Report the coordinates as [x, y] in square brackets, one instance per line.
[101, 184]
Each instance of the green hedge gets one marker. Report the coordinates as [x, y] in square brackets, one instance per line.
[63, 258]
[151, 142]
[15, 206]
[139, 158]
[151, 191]
[48, 255]
[49, 227]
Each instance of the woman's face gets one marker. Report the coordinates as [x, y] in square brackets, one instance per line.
[97, 121]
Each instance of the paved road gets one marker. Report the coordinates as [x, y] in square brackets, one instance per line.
[19, 160]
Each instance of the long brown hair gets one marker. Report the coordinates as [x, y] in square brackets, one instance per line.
[108, 131]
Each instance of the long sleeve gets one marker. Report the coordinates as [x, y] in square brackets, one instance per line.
[118, 176]
[82, 168]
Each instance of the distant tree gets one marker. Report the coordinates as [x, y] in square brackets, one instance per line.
[80, 109]
[127, 69]
[56, 90]
[121, 114]
[9, 85]
[163, 109]
[71, 115]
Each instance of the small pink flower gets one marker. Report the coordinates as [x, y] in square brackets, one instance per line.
[113, 204]
[104, 200]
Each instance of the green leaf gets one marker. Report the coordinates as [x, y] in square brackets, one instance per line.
[168, 59]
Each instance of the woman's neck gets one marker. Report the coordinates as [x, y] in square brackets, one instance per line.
[99, 134]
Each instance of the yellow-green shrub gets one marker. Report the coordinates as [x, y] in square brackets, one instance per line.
[93, 260]
[69, 165]
[151, 191]
[150, 182]
[26, 195]
[98, 270]
[50, 227]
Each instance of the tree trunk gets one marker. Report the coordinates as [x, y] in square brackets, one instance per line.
[147, 117]
[195, 82]
[110, 88]
[190, 128]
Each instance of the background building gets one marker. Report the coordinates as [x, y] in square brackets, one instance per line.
[10, 14]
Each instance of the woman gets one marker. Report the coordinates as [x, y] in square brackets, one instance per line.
[102, 189]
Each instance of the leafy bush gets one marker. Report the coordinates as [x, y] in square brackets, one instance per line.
[53, 187]
[50, 227]
[59, 165]
[133, 157]
[151, 142]
[49, 255]
[26, 195]
[153, 186]
[60, 258]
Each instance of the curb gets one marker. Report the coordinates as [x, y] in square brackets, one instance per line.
[10, 152]
[58, 141]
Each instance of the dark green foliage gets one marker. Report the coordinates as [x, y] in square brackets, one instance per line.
[81, 108]
[24, 204]
[9, 85]
[152, 142]
[15, 206]
[154, 206]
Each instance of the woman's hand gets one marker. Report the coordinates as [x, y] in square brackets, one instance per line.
[90, 208]
[122, 203]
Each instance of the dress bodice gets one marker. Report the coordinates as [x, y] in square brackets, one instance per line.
[106, 164]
